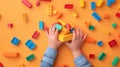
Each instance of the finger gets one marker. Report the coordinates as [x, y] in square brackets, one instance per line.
[50, 30]
[67, 43]
[84, 37]
[80, 31]
[53, 29]
[74, 36]
[56, 32]
[78, 34]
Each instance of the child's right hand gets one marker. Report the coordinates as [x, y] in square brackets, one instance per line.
[76, 42]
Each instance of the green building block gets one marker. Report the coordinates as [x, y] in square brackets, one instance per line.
[91, 27]
[30, 57]
[114, 25]
[101, 56]
[59, 27]
[115, 61]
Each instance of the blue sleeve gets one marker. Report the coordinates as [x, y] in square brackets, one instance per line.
[81, 61]
[49, 58]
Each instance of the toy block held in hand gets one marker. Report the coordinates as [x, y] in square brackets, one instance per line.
[11, 55]
[64, 31]
[58, 27]
[62, 22]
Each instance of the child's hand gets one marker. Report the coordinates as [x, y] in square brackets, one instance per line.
[52, 35]
[76, 42]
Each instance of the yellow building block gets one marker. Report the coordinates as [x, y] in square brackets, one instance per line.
[99, 3]
[64, 31]
[62, 22]
[75, 14]
[25, 17]
[119, 6]
[82, 3]
[64, 38]
[50, 10]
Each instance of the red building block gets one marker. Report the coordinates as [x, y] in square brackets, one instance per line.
[1, 65]
[91, 56]
[68, 6]
[35, 35]
[10, 25]
[37, 3]
[112, 43]
[118, 15]
[68, 26]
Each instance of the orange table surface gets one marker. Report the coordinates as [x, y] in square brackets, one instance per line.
[12, 10]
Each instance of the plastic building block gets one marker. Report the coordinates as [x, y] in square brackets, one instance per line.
[59, 27]
[91, 27]
[101, 56]
[1, 65]
[15, 41]
[118, 14]
[59, 15]
[30, 57]
[10, 25]
[75, 14]
[62, 22]
[96, 16]
[68, 6]
[90, 40]
[110, 2]
[27, 3]
[112, 43]
[100, 43]
[114, 25]
[50, 10]
[115, 61]
[64, 31]
[25, 17]
[93, 5]
[99, 3]
[35, 35]
[37, 2]
[41, 25]
[11, 55]
[105, 16]
[64, 38]
[68, 26]
[31, 45]
[91, 56]
[71, 30]
[82, 3]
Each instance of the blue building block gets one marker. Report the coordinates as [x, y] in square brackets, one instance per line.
[110, 2]
[41, 25]
[93, 5]
[15, 41]
[31, 45]
[71, 30]
[96, 16]
[100, 43]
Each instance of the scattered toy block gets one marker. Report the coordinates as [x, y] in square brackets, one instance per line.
[64, 31]
[90, 40]
[30, 57]
[30, 44]
[21, 65]
[118, 14]
[41, 25]
[105, 16]
[82, 3]
[37, 2]
[91, 27]
[1, 65]
[50, 10]
[35, 35]
[110, 2]
[71, 30]
[25, 17]
[101, 56]
[27, 3]
[62, 22]
[115, 61]
[93, 5]
[96, 16]
[58, 27]
[15, 41]
[75, 14]
[59, 15]
[114, 25]
[99, 3]
[100, 43]
[112, 43]
[11, 55]
[91, 56]
[68, 6]
[64, 38]
[68, 26]
[10, 25]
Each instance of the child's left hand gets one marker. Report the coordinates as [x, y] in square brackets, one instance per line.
[52, 35]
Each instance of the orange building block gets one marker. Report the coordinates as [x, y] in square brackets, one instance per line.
[90, 40]
[105, 16]
[59, 15]
[11, 55]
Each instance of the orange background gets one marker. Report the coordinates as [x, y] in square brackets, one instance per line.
[12, 10]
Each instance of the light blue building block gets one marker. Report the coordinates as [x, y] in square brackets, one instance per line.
[41, 25]
[15, 41]
[59, 27]
[31, 45]
[96, 16]
[93, 5]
